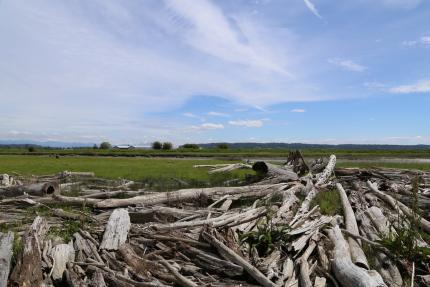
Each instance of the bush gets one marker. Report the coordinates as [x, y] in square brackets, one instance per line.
[190, 146]
[105, 145]
[31, 149]
[167, 145]
[157, 145]
[95, 146]
[222, 146]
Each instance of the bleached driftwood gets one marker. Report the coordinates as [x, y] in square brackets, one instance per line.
[183, 195]
[28, 269]
[229, 254]
[61, 255]
[67, 173]
[230, 167]
[346, 272]
[425, 224]
[328, 171]
[357, 254]
[6, 242]
[305, 280]
[116, 230]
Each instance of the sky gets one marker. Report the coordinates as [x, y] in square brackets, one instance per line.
[136, 71]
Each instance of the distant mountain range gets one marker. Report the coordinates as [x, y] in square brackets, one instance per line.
[244, 145]
[53, 144]
[318, 146]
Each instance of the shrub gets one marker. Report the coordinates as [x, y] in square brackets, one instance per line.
[105, 145]
[157, 145]
[31, 149]
[167, 145]
[95, 146]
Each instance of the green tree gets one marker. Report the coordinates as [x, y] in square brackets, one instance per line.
[95, 146]
[105, 145]
[167, 145]
[157, 145]
[31, 149]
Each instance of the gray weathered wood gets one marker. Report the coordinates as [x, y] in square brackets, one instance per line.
[6, 243]
[116, 230]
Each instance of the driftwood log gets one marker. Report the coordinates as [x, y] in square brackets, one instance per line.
[36, 189]
[6, 242]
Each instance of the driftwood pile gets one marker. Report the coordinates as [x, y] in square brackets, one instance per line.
[268, 233]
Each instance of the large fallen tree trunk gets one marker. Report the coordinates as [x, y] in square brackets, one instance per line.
[346, 272]
[36, 189]
[189, 195]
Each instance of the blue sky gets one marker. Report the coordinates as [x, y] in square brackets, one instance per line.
[200, 71]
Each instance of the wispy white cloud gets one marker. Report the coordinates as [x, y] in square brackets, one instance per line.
[208, 126]
[298, 110]
[422, 41]
[312, 8]
[210, 31]
[247, 123]
[193, 116]
[418, 87]
[218, 114]
[348, 65]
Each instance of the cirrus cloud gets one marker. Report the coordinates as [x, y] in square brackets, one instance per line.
[247, 123]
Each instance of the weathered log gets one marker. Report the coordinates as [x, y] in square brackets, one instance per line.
[6, 243]
[184, 195]
[28, 269]
[357, 254]
[229, 254]
[211, 262]
[180, 279]
[328, 170]
[36, 189]
[346, 272]
[61, 255]
[304, 278]
[97, 279]
[76, 173]
[116, 230]
[268, 169]
[425, 224]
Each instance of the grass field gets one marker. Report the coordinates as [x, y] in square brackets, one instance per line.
[222, 153]
[155, 170]
[144, 169]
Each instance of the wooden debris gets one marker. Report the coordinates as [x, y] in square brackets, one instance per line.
[268, 233]
[116, 230]
[6, 242]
